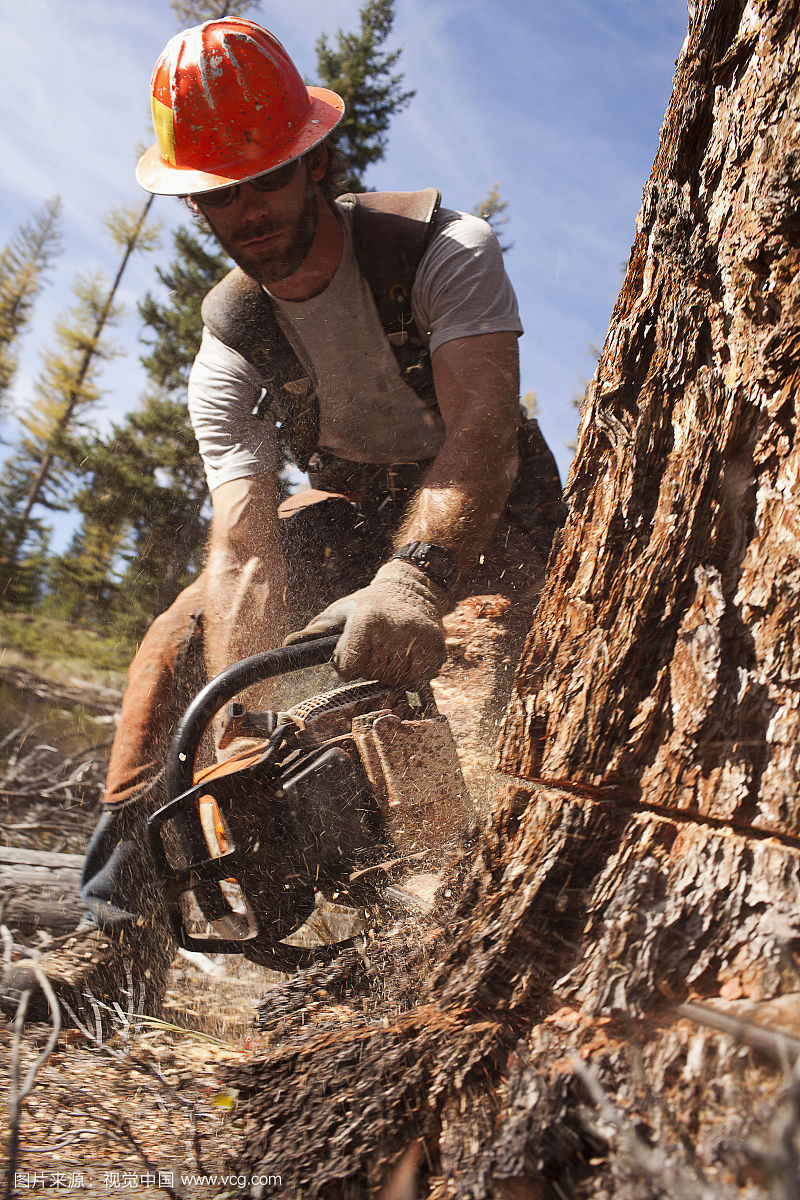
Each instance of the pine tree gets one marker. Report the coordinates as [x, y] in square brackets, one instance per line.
[21, 586]
[169, 520]
[193, 12]
[65, 392]
[145, 482]
[84, 578]
[173, 328]
[364, 75]
[145, 494]
[145, 479]
[492, 209]
[23, 265]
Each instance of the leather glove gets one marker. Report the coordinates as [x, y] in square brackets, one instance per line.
[391, 630]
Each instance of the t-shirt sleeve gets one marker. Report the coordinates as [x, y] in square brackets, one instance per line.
[461, 288]
[223, 392]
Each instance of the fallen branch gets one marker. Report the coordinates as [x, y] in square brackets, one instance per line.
[40, 889]
[42, 772]
[18, 1094]
[90, 696]
[782, 1047]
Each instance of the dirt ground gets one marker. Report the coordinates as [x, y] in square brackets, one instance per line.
[127, 1106]
[140, 1109]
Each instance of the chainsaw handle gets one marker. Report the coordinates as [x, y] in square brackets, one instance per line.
[226, 685]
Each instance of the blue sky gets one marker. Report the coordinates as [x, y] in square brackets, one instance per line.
[559, 103]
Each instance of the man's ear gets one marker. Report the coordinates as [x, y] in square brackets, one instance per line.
[197, 213]
[318, 162]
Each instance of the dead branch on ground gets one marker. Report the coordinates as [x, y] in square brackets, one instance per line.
[17, 1093]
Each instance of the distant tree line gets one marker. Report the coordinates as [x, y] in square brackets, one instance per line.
[139, 490]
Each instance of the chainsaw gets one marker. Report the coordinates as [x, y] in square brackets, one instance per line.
[340, 798]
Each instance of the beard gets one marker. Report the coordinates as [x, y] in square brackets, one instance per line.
[273, 263]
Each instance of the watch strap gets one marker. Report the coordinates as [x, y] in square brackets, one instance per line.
[436, 561]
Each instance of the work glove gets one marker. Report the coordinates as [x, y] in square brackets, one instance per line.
[391, 630]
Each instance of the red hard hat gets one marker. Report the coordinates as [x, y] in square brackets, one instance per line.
[228, 105]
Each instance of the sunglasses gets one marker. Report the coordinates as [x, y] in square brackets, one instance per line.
[271, 181]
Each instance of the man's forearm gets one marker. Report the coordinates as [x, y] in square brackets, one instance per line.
[245, 603]
[245, 607]
[466, 487]
[460, 501]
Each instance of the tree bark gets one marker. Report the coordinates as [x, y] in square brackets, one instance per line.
[39, 890]
[537, 1039]
[664, 657]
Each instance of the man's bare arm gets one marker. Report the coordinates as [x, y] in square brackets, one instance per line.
[245, 603]
[392, 629]
[462, 496]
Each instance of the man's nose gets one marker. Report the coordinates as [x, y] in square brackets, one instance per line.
[253, 202]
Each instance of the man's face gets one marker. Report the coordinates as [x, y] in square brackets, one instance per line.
[267, 234]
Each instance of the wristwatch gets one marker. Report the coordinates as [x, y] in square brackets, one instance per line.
[435, 561]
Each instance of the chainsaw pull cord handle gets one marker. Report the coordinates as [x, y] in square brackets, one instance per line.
[221, 689]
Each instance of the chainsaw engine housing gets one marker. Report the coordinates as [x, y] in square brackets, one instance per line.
[351, 785]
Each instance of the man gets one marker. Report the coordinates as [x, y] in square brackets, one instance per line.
[375, 339]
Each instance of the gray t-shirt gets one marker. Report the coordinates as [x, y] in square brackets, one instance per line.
[367, 412]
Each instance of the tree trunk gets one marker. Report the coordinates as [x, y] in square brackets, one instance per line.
[536, 1042]
[39, 890]
[664, 661]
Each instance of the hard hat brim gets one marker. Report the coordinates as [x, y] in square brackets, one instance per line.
[155, 174]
